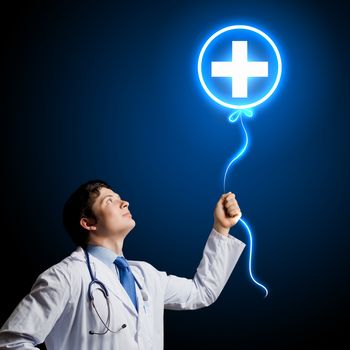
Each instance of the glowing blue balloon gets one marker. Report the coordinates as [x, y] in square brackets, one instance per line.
[240, 67]
[238, 59]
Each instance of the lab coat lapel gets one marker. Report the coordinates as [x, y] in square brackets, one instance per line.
[110, 279]
[140, 301]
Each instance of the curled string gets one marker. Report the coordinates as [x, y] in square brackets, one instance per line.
[234, 117]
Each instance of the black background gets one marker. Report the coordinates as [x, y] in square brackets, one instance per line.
[109, 90]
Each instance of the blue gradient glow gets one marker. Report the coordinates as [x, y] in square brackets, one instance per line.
[233, 118]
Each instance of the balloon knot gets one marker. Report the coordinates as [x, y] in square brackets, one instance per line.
[233, 117]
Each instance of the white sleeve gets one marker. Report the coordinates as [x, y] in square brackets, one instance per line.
[220, 256]
[35, 316]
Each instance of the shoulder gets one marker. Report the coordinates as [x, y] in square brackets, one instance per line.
[65, 272]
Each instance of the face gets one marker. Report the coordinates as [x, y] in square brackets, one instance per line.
[112, 213]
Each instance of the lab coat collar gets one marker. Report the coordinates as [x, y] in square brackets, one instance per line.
[106, 276]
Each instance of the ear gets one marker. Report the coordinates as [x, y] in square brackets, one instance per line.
[88, 223]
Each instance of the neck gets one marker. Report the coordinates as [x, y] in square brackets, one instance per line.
[114, 244]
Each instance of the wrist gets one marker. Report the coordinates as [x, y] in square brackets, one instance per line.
[223, 230]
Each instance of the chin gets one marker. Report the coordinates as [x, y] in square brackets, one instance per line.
[127, 227]
[132, 224]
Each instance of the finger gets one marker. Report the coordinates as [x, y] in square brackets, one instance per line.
[236, 218]
[230, 200]
[223, 198]
[232, 208]
[225, 195]
[232, 203]
[234, 212]
[230, 197]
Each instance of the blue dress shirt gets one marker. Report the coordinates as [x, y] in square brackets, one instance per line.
[105, 255]
[108, 256]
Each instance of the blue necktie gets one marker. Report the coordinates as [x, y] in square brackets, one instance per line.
[126, 278]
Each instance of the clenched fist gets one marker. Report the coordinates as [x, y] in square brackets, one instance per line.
[226, 213]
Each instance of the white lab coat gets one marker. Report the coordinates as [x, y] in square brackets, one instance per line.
[58, 311]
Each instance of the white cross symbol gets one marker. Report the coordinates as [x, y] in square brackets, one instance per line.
[239, 69]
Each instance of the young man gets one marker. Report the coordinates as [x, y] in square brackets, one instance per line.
[97, 300]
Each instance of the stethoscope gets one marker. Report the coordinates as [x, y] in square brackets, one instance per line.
[100, 286]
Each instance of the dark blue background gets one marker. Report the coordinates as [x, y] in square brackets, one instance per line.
[111, 91]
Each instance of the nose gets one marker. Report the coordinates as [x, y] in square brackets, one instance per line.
[125, 204]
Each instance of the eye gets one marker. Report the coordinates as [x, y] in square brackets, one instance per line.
[109, 200]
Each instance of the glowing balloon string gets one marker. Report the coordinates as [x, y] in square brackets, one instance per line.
[232, 119]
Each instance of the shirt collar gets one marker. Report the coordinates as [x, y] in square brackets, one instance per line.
[105, 255]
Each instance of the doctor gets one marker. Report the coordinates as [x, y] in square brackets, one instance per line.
[95, 299]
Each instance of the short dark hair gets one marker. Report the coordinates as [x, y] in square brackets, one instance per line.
[79, 205]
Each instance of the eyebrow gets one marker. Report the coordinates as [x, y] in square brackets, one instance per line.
[108, 195]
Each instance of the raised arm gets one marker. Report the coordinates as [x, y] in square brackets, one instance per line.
[220, 256]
